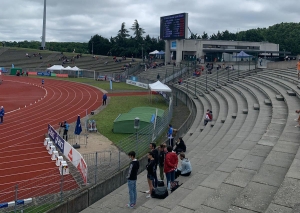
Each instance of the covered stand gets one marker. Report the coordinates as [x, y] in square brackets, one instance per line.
[242, 54]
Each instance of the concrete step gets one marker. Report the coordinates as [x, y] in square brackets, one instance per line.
[256, 106]
[212, 123]
[223, 120]
[291, 93]
[233, 115]
[223, 84]
[279, 98]
[298, 86]
[268, 102]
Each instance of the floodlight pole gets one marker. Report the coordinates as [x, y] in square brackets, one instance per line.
[92, 45]
[43, 44]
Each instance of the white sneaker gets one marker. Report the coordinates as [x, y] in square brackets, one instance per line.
[297, 126]
[148, 196]
[147, 191]
[296, 119]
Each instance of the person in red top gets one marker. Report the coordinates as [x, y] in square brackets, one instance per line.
[208, 117]
[171, 161]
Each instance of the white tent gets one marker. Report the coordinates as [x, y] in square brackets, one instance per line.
[75, 68]
[67, 68]
[56, 67]
[154, 52]
[159, 87]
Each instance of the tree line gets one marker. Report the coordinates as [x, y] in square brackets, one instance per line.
[121, 45]
[284, 34]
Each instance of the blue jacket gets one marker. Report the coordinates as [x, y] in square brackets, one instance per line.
[2, 112]
[104, 97]
[66, 126]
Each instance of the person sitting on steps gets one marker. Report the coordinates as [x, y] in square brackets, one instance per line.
[186, 167]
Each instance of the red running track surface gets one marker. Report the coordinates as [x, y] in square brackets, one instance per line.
[23, 159]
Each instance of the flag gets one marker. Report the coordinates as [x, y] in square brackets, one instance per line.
[78, 128]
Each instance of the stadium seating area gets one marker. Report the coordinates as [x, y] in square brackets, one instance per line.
[17, 56]
[245, 160]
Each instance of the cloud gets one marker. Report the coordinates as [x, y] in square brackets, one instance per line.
[78, 20]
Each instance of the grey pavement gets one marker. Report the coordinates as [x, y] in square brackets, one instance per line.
[249, 164]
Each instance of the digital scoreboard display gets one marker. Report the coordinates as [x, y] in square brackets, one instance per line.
[174, 26]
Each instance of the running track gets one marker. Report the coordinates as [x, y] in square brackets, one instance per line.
[24, 160]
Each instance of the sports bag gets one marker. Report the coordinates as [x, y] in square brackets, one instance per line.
[160, 192]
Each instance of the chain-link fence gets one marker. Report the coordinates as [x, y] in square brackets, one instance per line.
[49, 189]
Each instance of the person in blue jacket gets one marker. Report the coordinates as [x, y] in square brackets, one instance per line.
[66, 129]
[104, 99]
[2, 112]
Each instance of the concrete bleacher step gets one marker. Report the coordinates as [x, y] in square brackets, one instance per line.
[268, 102]
[223, 120]
[245, 111]
[223, 84]
[256, 106]
[279, 98]
[291, 93]
[212, 123]
[298, 86]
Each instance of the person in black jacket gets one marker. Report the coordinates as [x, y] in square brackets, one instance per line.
[161, 160]
[131, 179]
[154, 151]
[150, 172]
[180, 146]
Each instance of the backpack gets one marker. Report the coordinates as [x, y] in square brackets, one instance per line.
[160, 192]
[160, 183]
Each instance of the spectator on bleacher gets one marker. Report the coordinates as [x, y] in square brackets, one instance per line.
[208, 117]
[158, 76]
[66, 129]
[171, 161]
[186, 167]
[180, 81]
[180, 146]
[2, 113]
[131, 179]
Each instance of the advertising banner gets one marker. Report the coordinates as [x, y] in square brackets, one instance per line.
[69, 152]
[138, 84]
[44, 73]
[56, 138]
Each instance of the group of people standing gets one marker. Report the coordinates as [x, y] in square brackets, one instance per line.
[166, 159]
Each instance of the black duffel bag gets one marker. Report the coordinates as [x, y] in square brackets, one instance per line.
[160, 192]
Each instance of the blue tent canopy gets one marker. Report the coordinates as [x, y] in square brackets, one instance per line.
[242, 54]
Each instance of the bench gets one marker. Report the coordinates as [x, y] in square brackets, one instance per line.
[279, 98]
[256, 106]
[268, 102]
[233, 115]
[291, 93]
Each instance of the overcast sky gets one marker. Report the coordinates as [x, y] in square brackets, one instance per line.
[78, 20]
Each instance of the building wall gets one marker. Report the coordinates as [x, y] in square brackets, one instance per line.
[195, 47]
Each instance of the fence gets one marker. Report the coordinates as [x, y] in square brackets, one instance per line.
[49, 190]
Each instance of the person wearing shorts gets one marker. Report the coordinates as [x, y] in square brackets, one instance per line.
[298, 69]
[150, 173]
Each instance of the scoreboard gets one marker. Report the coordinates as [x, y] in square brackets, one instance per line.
[174, 26]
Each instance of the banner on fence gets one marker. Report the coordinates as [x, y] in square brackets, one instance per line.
[77, 160]
[69, 152]
[56, 138]
[44, 73]
[138, 84]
